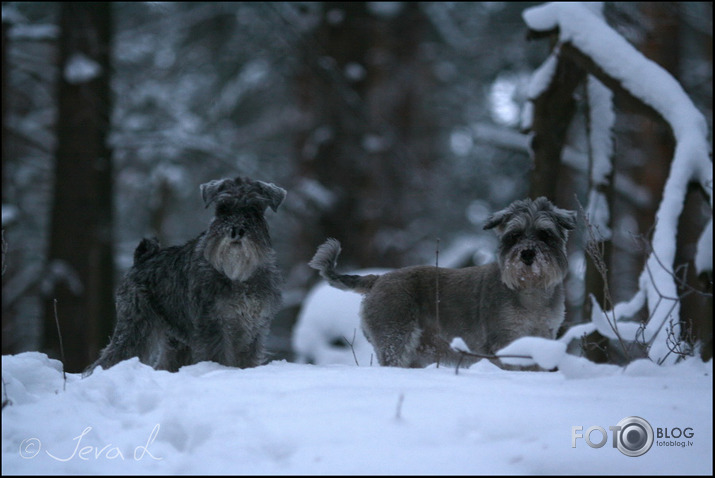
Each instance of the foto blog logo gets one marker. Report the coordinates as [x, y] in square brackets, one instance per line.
[633, 436]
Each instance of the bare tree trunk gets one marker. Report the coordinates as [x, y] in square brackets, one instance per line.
[80, 260]
[554, 110]
[7, 347]
[5, 27]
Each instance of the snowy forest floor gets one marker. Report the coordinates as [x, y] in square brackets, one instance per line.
[287, 418]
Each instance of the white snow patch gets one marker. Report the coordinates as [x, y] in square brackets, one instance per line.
[459, 345]
[81, 69]
[355, 71]
[328, 320]
[704, 254]
[545, 353]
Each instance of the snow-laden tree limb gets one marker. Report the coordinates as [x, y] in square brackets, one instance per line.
[585, 39]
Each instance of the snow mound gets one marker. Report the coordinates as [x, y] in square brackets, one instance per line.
[545, 353]
[328, 323]
[285, 418]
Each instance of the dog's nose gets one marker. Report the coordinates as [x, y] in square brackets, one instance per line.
[527, 256]
[237, 233]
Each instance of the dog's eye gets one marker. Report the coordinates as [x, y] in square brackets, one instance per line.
[512, 237]
[544, 235]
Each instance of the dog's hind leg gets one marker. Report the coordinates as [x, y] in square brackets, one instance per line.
[397, 349]
[132, 335]
[170, 353]
[395, 341]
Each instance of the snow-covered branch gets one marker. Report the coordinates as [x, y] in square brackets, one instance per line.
[585, 39]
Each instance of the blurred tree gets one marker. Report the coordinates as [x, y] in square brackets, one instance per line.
[28, 144]
[80, 264]
[369, 143]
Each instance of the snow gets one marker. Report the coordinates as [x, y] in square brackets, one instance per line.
[286, 418]
[21, 31]
[328, 323]
[598, 215]
[355, 71]
[81, 69]
[601, 121]
[545, 353]
[540, 80]
[385, 9]
[344, 414]
[704, 256]
[459, 345]
[600, 145]
[10, 213]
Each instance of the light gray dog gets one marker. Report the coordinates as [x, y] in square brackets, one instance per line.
[488, 306]
[212, 298]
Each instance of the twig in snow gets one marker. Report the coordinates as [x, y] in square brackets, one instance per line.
[5, 399]
[352, 348]
[436, 265]
[398, 413]
[62, 349]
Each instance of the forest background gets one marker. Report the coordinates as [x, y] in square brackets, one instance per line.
[392, 125]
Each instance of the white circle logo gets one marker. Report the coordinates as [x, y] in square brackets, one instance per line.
[635, 436]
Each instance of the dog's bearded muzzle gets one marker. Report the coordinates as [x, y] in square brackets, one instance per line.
[530, 266]
[234, 255]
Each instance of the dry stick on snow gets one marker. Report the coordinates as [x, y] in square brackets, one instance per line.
[680, 345]
[62, 349]
[352, 348]
[398, 412]
[436, 302]
[5, 399]
[436, 265]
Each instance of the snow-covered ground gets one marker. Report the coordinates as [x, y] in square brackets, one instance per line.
[344, 414]
[287, 418]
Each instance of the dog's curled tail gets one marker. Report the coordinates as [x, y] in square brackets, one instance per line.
[325, 261]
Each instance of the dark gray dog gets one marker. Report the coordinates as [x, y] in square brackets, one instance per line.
[487, 306]
[212, 298]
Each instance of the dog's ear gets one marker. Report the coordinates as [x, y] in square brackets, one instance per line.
[211, 190]
[565, 218]
[498, 219]
[258, 194]
[270, 195]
